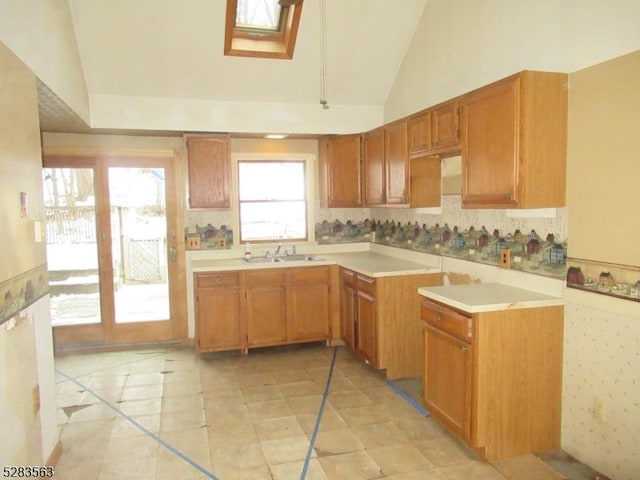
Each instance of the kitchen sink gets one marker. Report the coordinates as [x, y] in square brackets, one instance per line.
[299, 258]
[262, 260]
[283, 258]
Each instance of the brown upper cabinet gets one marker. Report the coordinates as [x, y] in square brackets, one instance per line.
[209, 171]
[434, 131]
[340, 172]
[386, 165]
[514, 142]
[426, 181]
[396, 159]
[374, 176]
[445, 131]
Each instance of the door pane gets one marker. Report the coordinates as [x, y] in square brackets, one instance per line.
[139, 243]
[72, 250]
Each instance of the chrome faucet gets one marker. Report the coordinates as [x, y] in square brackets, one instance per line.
[277, 250]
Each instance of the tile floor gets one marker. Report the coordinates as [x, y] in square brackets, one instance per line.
[171, 414]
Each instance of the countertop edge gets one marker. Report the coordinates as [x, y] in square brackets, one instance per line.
[492, 307]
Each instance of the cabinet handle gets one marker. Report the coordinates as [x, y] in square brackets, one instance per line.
[464, 348]
[439, 317]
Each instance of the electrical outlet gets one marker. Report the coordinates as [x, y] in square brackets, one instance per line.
[193, 243]
[505, 258]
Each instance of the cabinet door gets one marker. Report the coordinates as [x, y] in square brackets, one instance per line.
[447, 380]
[426, 182]
[396, 158]
[266, 308]
[419, 133]
[218, 319]
[309, 304]
[444, 128]
[218, 315]
[347, 308]
[365, 327]
[340, 177]
[374, 170]
[490, 125]
[209, 172]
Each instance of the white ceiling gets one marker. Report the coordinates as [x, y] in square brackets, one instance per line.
[174, 49]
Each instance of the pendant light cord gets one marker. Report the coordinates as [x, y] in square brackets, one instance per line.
[323, 55]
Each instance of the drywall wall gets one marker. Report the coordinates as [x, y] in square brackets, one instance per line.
[41, 33]
[462, 45]
[26, 358]
[602, 161]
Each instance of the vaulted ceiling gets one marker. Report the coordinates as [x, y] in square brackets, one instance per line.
[173, 49]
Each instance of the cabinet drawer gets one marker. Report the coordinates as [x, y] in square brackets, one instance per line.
[208, 280]
[367, 284]
[348, 277]
[310, 275]
[270, 276]
[450, 321]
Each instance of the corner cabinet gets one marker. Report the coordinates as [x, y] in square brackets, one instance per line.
[340, 176]
[209, 172]
[494, 379]
[386, 166]
[380, 320]
[309, 304]
[514, 142]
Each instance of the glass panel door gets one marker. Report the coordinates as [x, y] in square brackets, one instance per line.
[113, 248]
[139, 244]
[72, 249]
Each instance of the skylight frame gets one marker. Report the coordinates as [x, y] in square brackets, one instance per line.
[262, 43]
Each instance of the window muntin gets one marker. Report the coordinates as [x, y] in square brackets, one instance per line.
[272, 200]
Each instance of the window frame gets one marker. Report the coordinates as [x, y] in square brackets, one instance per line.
[246, 42]
[306, 163]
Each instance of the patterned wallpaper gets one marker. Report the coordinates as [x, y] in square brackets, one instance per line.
[601, 390]
[536, 245]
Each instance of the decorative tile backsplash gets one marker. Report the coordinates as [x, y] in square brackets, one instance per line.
[529, 251]
[209, 238]
[621, 281]
[21, 291]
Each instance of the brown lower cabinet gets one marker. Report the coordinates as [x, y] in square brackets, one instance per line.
[259, 308]
[380, 320]
[494, 379]
[218, 311]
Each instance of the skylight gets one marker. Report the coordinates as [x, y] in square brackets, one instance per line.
[262, 28]
[258, 15]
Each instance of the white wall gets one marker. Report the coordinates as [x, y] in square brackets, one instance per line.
[461, 45]
[26, 352]
[41, 34]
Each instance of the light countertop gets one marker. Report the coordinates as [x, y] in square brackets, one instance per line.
[378, 265]
[366, 263]
[487, 297]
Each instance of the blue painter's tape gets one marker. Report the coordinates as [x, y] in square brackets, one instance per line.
[177, 453]
[412, 402]
[316, 427]
[114, 366]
